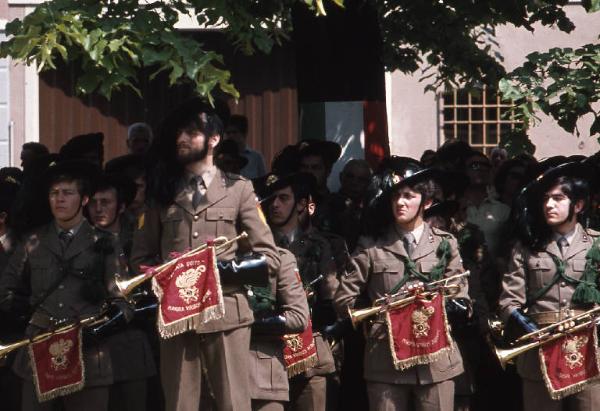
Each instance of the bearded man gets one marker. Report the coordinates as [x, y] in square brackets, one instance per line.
[191, 202]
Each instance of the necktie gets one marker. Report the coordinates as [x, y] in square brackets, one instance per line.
[198, 186]
[563, 245]
[65, 238]
[284, 242]
[409, 243]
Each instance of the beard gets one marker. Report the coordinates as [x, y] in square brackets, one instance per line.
[192, 155]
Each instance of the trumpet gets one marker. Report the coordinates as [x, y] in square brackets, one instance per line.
[88, 322]
[545, 335]
[126, 286]
[405, 298]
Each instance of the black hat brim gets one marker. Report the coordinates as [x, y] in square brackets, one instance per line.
[329, 150]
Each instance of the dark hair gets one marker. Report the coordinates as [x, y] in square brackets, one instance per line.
[240, 122]
[163, 169]
[106, 185]
[504, 171]
[37, 148]
[84, 187]
[378, 215]
[575, 189]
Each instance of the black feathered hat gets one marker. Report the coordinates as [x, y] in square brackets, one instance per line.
[267, 185]
[328, 150]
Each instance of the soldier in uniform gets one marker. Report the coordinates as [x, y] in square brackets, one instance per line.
[545, 269]
[191, 202]
[68, 268]
[399, 237]
[269, 385]
[131, 355]
[289, 198]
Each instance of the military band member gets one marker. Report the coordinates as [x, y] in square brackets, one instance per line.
[132, 358]
[269, 385]
[192, 202]
[68, 268]
[400, 236]
[287, 207]
[544, 273]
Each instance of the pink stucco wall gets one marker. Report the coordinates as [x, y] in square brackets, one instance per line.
[414, 121]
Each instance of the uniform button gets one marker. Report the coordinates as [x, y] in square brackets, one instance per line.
[564, 302]
[60, 305]
[563, 284]
[61, 287]
[195, 235]
[196, 217]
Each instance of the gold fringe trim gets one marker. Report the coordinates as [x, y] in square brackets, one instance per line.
[303, 365]
[419, 359]
[194, 321]
[572, 389]
[60, 391]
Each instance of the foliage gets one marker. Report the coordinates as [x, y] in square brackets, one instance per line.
[563, 83]
[113, 40]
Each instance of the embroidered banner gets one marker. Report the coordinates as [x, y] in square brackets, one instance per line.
[570, 363]
[418, 332]
[299, 351]
[189, 293]
[57, 364]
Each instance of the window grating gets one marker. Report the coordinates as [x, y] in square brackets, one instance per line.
[479, 118]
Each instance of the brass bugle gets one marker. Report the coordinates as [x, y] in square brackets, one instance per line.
[559, 326]
[357, 316]
[89, 321]
[126, 286]
[505, 355]
[425, 286]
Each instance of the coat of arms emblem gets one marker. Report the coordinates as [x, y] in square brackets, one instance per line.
[186, 282]
[58, 353]
[420, 321]
[571, 347]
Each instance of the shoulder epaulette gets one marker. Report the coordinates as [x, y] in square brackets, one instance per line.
[233, 176]
[441, 233]
[592, 233]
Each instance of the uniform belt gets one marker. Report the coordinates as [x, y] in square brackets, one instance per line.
[551, 317]
[231, 289]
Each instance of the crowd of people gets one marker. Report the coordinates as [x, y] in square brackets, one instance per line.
[522, 228]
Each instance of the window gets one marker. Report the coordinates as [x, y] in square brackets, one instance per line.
[477, 118]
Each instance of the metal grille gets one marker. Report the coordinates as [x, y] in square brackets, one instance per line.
[479, 118]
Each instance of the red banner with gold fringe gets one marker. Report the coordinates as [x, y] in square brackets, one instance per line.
[299, 351]
[57, 364]
[570, 362]
[189, 293]
[418, 332]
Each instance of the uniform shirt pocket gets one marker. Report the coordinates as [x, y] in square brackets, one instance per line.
[41, 277]
[541, 272]
[386, 274]
[223, 219]
[171, 221]
[425, 267]
[578, 267]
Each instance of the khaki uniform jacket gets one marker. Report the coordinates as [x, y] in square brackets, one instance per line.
[39, 260]
[269, 380]
[378, 268]
[228, 207]
[528, 272]
[315, 257]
